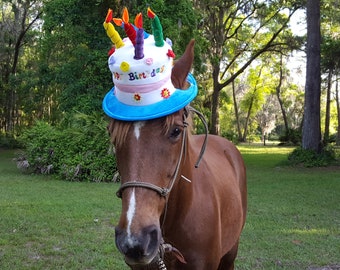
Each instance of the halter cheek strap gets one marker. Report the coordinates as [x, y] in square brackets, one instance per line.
[162, 191]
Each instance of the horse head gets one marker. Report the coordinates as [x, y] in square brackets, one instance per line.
[149, 159]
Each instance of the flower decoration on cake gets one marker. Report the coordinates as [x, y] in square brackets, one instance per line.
[137, 97]
[165, 93]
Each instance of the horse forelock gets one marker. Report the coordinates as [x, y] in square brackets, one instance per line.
[119, 130]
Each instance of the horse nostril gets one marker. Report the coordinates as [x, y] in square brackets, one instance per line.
[139, 248]
[153, 237]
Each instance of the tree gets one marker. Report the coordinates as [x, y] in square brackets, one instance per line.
[337, 99]
[311, 132]
[330, 56]
[238, 33]
[267, 116]
[18, 19]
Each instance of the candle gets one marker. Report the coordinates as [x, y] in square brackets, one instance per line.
[156, 28]
[139, 47]
[128, 27]
[111, 31]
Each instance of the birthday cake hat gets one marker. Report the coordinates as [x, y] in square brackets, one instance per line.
[141, 67]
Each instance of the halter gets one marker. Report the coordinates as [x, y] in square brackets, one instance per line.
[162, 191]
[165, 191]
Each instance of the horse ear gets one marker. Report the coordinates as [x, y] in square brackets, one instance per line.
[182, 67]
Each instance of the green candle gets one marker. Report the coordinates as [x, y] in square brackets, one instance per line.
[157, 29]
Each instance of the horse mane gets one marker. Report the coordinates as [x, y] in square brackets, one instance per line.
[118, 129]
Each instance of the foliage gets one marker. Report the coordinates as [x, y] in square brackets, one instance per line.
[77, 151]
[291, 136]
[8, 141]
[19, 22]
[238, 32]
[310, 158]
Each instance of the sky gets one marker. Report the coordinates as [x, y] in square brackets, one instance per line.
[297, 62]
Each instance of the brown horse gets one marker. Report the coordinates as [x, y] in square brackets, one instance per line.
[175, 215]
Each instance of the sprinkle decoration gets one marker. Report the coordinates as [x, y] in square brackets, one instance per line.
[111, 31]
[157, 29]
[171, 53]
[149, 61]
[111, 51]
[139, 47]
[124, 66]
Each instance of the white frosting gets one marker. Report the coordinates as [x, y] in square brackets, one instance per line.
[144, 81]
[156, 64]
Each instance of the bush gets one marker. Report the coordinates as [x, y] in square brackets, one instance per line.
[291, 137]
[79, 150]
[310, 158]
[8, 141]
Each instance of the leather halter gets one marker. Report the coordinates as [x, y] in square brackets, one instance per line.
[164, 191]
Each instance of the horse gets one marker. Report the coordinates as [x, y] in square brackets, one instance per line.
[184, 196]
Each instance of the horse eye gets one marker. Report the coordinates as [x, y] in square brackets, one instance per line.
[175, 132]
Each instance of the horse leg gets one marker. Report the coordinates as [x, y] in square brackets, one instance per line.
[227, 261]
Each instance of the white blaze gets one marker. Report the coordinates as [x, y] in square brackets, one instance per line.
[138, 125]
[131, 212]
[132, 203]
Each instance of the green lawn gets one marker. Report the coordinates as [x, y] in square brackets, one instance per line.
[46, 223]
[293, 214]
[293, 218]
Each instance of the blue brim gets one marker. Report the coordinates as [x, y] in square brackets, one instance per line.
[178, 100]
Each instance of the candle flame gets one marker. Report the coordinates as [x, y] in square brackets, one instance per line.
[151, 14]
[125, 15]
[139, 20]
[108, 16]
[118, 21]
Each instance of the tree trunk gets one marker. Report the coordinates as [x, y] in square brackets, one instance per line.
[214, 128]
[239, 133]
[311, 133]
[328, 108]
[278, 94]
[245, 131]
[337, 109]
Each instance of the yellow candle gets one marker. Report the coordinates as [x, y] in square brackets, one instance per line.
[113, 35]
[111, 31]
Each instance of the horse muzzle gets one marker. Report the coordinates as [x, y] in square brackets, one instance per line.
[139, 249]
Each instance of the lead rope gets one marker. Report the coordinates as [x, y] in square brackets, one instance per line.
[161, 264]
[202, 118]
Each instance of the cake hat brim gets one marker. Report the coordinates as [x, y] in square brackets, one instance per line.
[178, 100]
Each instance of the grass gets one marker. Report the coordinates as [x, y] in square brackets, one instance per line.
[293, 219]
[293, 213]
[46, 223]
